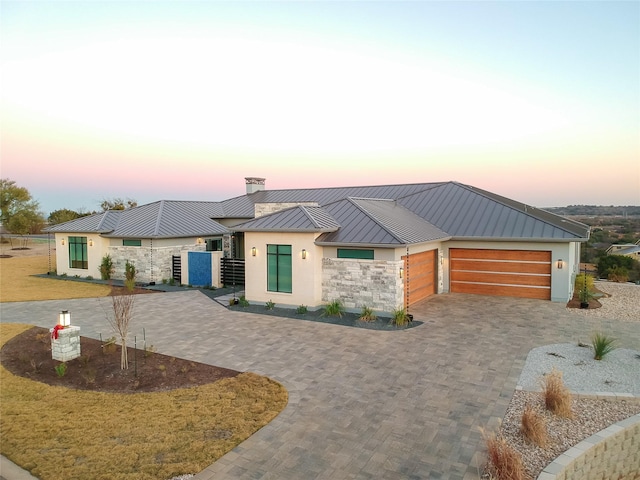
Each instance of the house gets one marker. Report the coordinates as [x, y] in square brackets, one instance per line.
[629, 250]
[385, 246]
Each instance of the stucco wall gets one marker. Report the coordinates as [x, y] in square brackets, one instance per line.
[357, 283]
[261, 209]
[306, 273]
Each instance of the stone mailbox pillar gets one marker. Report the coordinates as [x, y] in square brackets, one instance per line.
[67, 346]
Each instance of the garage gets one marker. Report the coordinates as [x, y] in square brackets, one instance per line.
[511, 273]
[420, 276]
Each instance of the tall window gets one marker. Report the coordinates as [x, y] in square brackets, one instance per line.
[279, 268]
[78, 252]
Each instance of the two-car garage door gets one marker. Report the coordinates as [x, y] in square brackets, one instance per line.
[513, 273]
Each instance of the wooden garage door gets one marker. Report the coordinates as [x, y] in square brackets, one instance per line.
[512, 273]
[420, 276]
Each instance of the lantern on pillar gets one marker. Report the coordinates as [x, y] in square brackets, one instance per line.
[64, 319]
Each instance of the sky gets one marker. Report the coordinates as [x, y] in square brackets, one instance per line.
[149, 100]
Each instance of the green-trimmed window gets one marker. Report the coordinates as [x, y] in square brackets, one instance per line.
[131, 242]
[78, 252]
[363, 254]
[279, 268]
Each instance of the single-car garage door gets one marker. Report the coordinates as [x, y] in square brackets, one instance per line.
[512, 273]
[419, 276]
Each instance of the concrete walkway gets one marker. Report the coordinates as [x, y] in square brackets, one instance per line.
[363, 404]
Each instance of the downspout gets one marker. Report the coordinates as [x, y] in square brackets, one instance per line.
[406, 281]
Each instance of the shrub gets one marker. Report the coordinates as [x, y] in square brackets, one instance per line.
[602, 344]
[618, 274]
[301, 310]
[557, 398]
[270, 305]
[129, 275]
[505, 463]
[534, 427]
[367, 315]
[106, 267]
[61, 369]
[333, 309]
[579, 282]
[400, 317]
[243, 301]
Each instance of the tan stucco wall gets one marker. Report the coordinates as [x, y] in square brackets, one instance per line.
[306, 274]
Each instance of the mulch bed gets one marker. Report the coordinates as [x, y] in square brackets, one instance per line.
[98, 368]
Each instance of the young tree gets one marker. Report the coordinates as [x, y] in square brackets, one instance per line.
[123, 312]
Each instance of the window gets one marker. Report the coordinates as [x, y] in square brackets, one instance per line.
[214, 244]
[78, 252]
[131, 242]
[355, 253]
[279, 268]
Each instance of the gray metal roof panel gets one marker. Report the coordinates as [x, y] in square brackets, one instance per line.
[102, 222]
[301, 218]
[162, 219]
[378, 222]
[464, 211]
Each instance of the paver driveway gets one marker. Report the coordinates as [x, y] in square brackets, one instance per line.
[363, 404]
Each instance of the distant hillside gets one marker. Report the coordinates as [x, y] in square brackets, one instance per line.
[596, 210]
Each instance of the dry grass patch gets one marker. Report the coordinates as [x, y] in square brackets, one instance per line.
[18, 285]
[557, 397]
[61, 433]
[534, 426]
[505, 463]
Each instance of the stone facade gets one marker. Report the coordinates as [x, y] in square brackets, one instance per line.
[67, 346]
[267, 208]
[357, 283]
[152, 264]
[611, 453]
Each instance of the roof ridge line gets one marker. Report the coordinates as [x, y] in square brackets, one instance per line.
[159, 218]
[381, 225]
[308, 215]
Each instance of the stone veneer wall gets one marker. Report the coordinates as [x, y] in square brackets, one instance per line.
[152, 264]
[357, 283]
[266, 208]
[612, 453]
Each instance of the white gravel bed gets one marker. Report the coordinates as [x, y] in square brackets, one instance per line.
[617, 372]
[623, 303]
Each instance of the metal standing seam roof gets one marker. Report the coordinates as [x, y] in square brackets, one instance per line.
[377, 222]
[162, 219]
[301, 218]
[445, 208]
[467, 212]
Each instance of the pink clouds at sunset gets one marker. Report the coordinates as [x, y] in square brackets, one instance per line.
[169, 100]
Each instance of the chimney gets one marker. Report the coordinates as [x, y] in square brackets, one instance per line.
[254, 184]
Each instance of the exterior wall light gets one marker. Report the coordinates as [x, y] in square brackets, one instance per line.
[254, 252]
[560, 264]
[401, 272]
[91, 242]
[200, 241]
[64, 319]
[304, 254]
[62, 242]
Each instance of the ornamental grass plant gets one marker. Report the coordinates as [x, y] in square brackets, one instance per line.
[504, 461]
[534, 427]
[557, 397]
